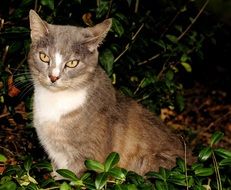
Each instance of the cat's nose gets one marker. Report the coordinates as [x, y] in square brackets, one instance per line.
[53, 78]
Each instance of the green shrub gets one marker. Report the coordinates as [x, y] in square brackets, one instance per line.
[211, 171]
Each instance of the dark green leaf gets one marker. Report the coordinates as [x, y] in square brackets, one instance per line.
[155, 175]
[107, 59]
[117, 27]
[101, 180]
[94, 165]
[222, 152]
[112, 159]
[44, 165]
[48, 3]
[28, 163]
[216, 137]
[205, 153]
[180, 102]
[170, 74]
[10, 185]
[161, 185]
[32, 186]
[172, 38]
[204, 172]
[67, 174]
[225, 162]
[177, 178]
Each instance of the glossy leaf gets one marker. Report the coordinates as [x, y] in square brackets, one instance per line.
[216, 137]
[225, 162]
[223, 153]
[204, 172]
[177, 178]
[94, 165]
[117, 173]
[101, 180]
[67, 174]
[205, 153]
[112, 159]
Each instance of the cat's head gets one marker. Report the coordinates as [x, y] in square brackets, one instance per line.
[63, 57]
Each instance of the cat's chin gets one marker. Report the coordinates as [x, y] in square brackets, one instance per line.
[54, 87]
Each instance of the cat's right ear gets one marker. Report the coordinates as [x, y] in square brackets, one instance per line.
[38, 27]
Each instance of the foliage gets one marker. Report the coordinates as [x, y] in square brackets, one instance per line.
[211, 171]
[144, 53]
[150, 46]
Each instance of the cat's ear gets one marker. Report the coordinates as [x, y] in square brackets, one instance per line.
[38, 27]
[99, 32]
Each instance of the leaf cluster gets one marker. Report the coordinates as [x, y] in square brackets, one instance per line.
[145, 52]
[211, 171]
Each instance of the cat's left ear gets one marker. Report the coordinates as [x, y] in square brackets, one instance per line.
[38, 27]
[99, 32]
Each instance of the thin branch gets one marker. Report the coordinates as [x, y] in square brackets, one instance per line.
[128, 45]
[149, 59]
[193, 21]
[136, 6]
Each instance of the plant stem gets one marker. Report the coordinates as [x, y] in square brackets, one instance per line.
[193, 21]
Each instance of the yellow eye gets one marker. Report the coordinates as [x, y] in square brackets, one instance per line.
[72, 64]
[44, 58]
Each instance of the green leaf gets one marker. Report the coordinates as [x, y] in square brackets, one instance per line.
[27, 164]
[225, 162]
[94, 165]
[112, 159]
[48, 3]
[170, 74]
[180, 102]
[222, 153]
[172, 38]
[67, 174]
[2, 158]
[187, 66]
[161, 185]
[155, 175]
[107, 59]
[101, 180]
[44, 165]
[216, 137]
[117, 173]
[65, 186]
[181, 164]
[10, 185]
[164, 173]
[204, 172]
[177, 178]
[205, 153]
[117, 27]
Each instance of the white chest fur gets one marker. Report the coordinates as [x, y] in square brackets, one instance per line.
[49, 106]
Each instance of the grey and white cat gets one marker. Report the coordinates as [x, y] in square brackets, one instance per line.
[78, 114]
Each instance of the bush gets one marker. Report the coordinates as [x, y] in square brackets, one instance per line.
[211, 171]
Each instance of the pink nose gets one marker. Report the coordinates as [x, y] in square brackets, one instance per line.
[53, 78]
